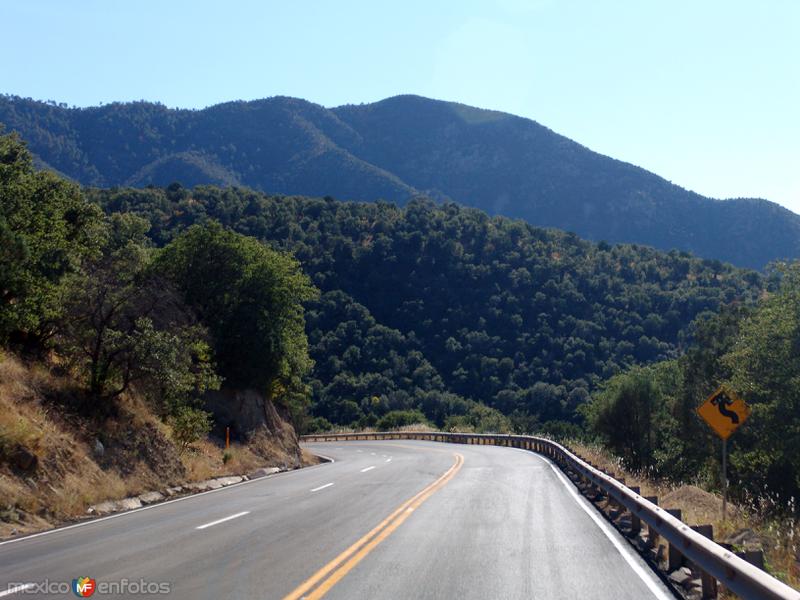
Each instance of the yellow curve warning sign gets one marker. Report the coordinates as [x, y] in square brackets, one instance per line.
[724, 412]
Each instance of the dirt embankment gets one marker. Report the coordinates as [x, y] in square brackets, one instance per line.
[59, 454]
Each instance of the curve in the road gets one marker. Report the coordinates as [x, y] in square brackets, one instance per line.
[330, 574]
[498, 523]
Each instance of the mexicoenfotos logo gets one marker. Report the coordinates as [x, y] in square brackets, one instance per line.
[84, 586]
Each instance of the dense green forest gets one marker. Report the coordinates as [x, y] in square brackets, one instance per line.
[647, 414]
[395, 150]
[121, 314]
[445, 310]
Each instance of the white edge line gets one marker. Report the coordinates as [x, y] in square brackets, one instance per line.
[16, 589]
[368, 469]
[151, 506]
[647, 576]
[322, 487]
[388, 460]
[218, 521]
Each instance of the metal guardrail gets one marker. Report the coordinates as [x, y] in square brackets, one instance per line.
[736, 574]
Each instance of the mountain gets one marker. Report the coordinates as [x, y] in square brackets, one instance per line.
[397, 149]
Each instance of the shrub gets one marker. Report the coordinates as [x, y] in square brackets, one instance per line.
[315, 424]
[188, 426]
[399, 418]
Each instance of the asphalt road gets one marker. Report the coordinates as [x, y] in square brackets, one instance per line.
[398, 520]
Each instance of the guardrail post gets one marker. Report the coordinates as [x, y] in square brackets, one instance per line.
[636, 522]
[674, 556]
[652, 534]
[617, 508]
[754, 557]
[709, 583]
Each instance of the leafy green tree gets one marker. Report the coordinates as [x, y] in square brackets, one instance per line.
[251, 298]
[765, 369]
[400, 418]
[46, 229]
[480, 419]
[123, 326]
[626, 413]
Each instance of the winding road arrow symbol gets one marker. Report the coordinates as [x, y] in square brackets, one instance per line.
[722, 403]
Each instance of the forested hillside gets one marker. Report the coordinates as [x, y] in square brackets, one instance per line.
[436, 308]
[647, 414]
[91, 294]
[110, 348]
[394, 150]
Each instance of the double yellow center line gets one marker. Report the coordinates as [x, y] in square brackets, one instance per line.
[319, 583]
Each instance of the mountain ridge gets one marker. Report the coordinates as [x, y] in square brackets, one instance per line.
[396, 149]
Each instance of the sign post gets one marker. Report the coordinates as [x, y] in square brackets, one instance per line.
[724, 479]
[724, 412]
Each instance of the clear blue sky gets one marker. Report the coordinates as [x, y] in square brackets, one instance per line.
[705, 93]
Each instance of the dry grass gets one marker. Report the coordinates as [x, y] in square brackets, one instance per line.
[206, 459]
[423, 427]
[752, 526]
[67, 478]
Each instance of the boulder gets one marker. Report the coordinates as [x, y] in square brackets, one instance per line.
[128, 503]
[681, 576]
[98, 449]
[22, 458]
[226, 481]
[174, 490]
[103, 508]
[151, 497]
[263, 472]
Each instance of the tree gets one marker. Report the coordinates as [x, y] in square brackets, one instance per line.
[251, 298]
[46, 230]
[123, 325]
[624, 414]
[400, 418]
[764, 368]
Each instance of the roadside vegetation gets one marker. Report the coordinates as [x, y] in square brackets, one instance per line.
[647, 414]
[488, 322]
[109, 344]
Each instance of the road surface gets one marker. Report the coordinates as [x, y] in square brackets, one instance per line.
[391, 519]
